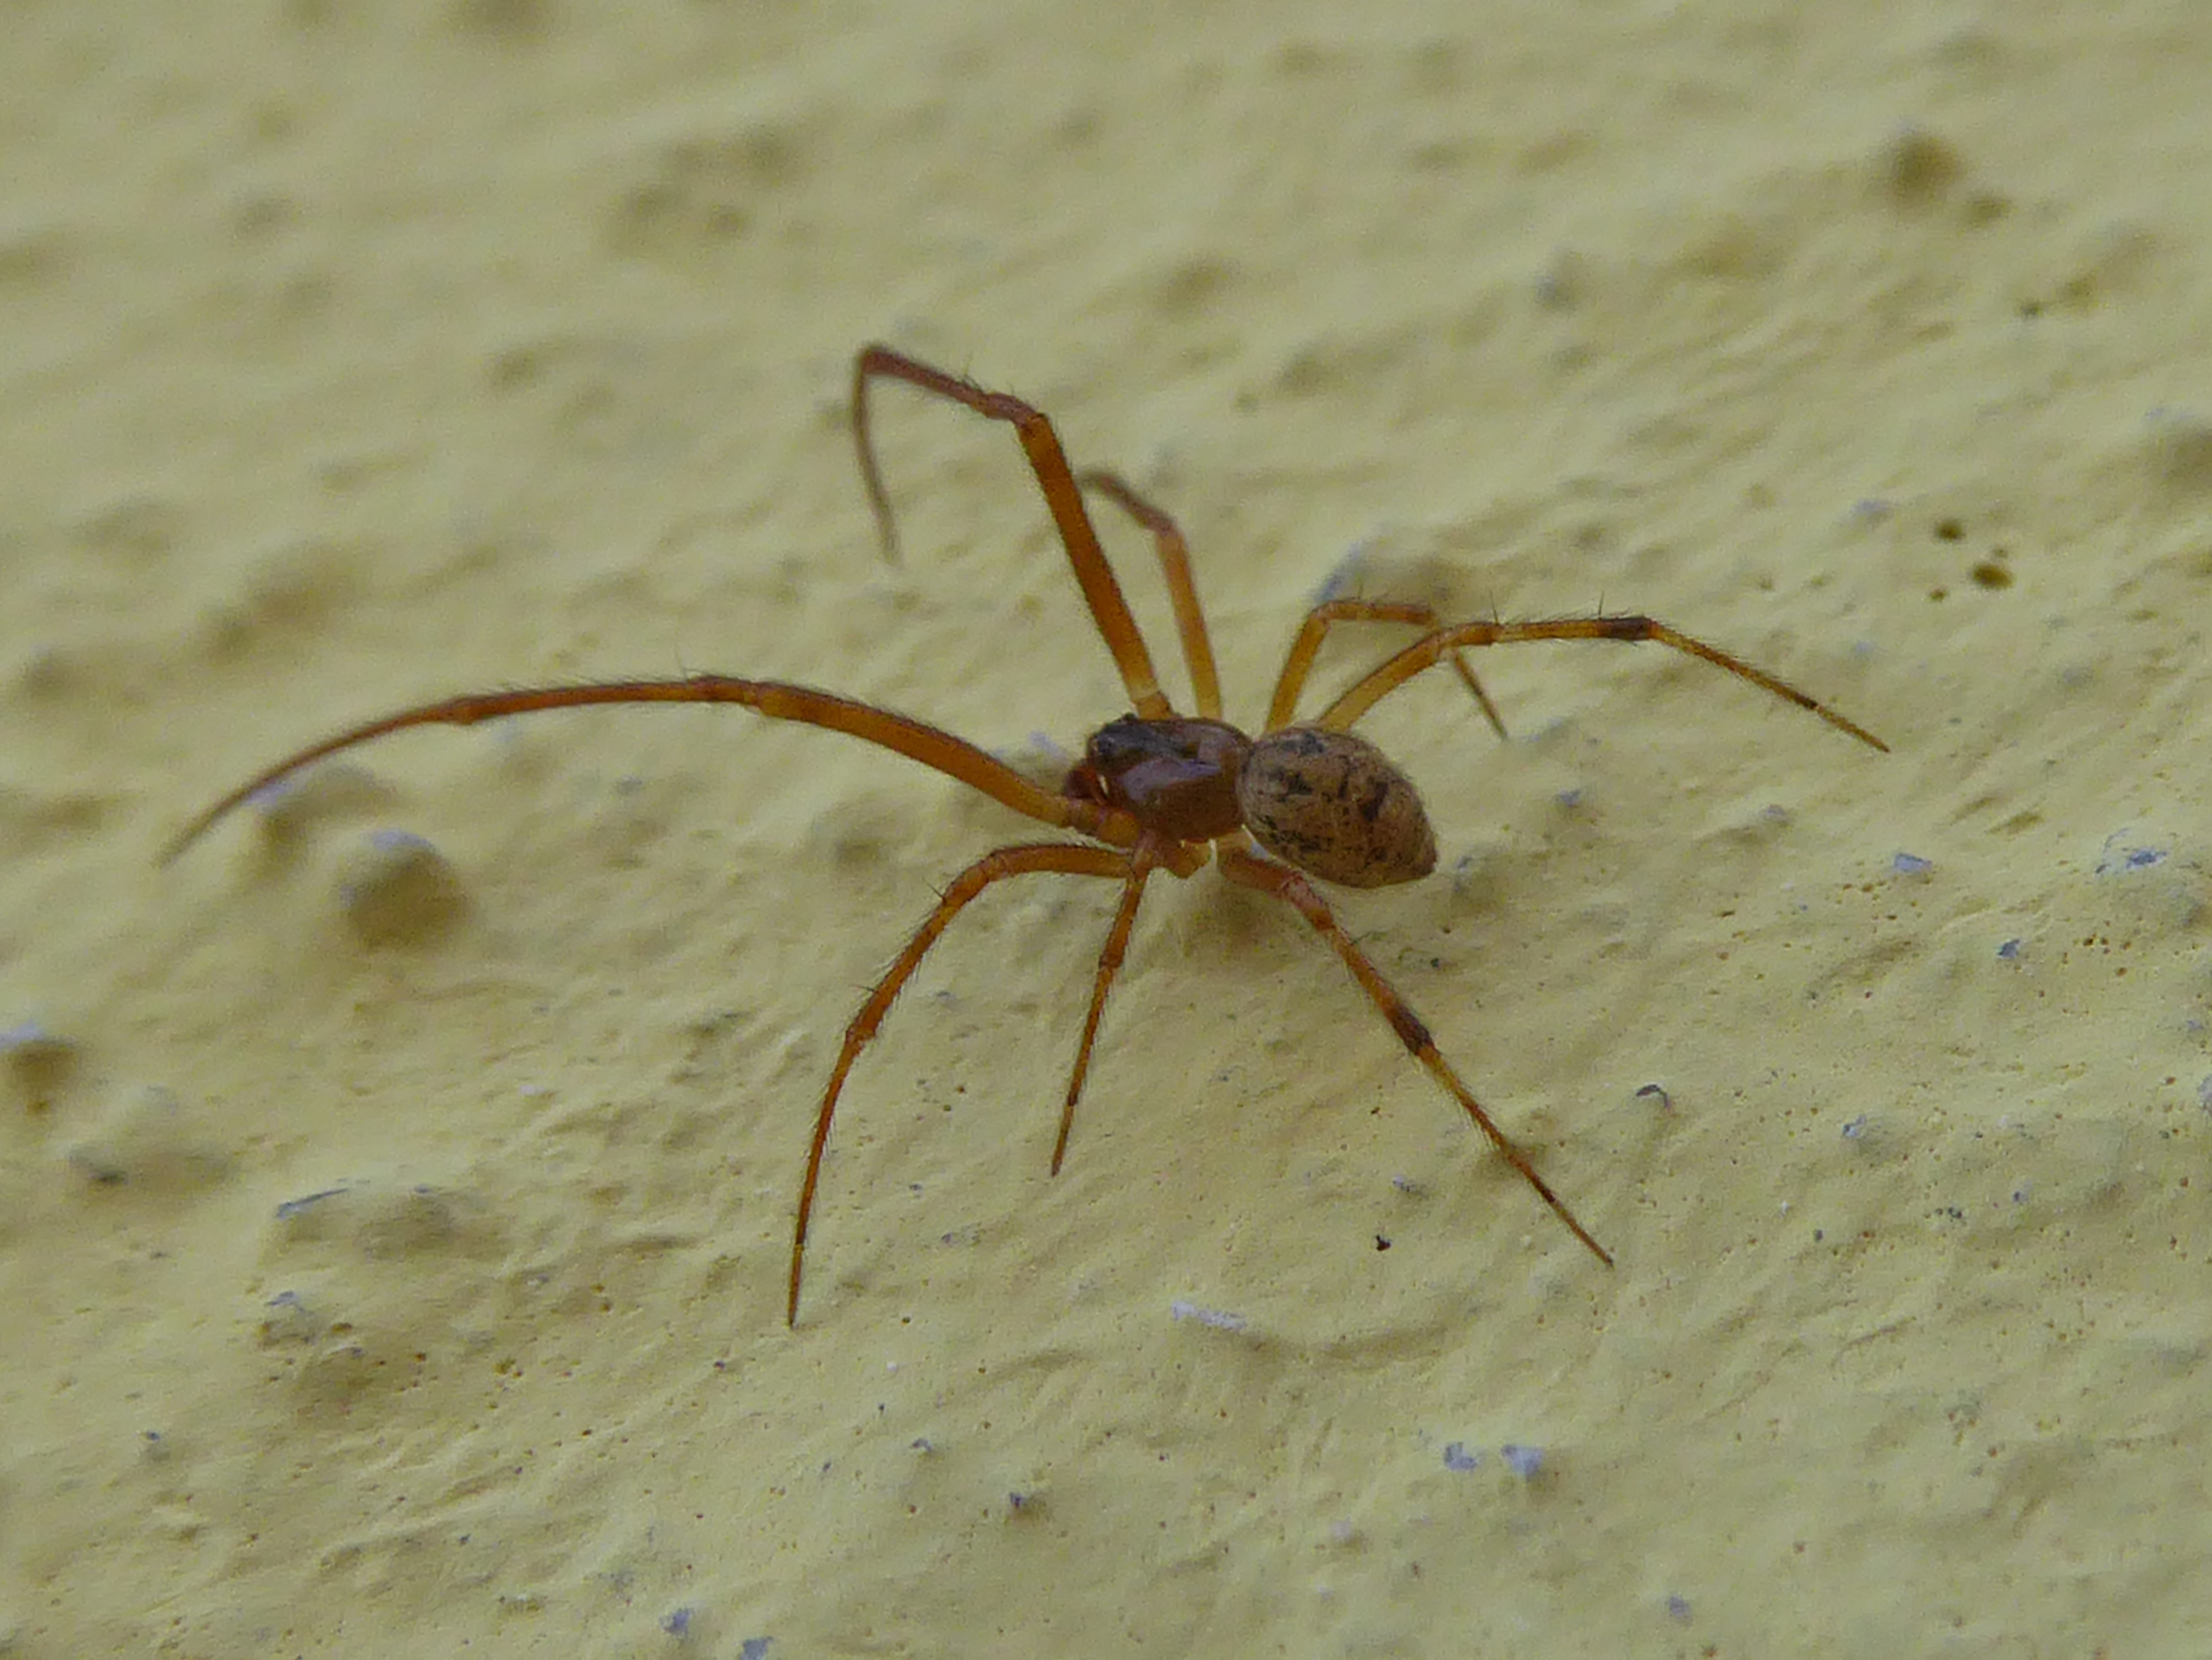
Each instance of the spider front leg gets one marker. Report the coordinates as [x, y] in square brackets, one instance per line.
[1293, 889]
[1182, 588]
[1145, 859]
[1068, 858]
[1049, 461]
[933, 746]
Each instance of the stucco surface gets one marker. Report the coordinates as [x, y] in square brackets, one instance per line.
[393, 1232]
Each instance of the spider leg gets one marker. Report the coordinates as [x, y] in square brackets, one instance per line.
[1101, 592]
[1293, 889]
[1299, 661]
[1424, 653]
[1067, 858]
[932, 747]
[1183, 586]
[1141, 864]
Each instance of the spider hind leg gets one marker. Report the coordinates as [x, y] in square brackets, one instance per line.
[1293, 889]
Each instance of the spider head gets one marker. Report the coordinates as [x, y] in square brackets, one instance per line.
[1177, 777]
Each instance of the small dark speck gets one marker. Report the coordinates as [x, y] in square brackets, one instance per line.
[1381, 1242]
[1524, 1462]
[1562, 282]
[1678, 1608]
[1405, 1184]
[1345, 577]
[1856, 1128]
[2008, 951]
[1458, 1456]
[292, 1207]
[1819, 1234]
[2119, 855]
[1656, 1092]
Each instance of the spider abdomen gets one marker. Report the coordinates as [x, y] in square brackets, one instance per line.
[1334, 805]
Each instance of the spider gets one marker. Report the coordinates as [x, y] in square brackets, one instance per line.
[1155, 790]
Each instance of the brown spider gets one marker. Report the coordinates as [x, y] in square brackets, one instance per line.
[1155, 790]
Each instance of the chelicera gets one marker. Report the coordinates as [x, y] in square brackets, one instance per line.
[1304, 801]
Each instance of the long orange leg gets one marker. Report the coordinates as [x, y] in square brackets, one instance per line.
[1066, 857]
[1299, 661]
[1054, 477]
[1141, 864]
[954, 756]
[1426, 652]
[1292, 889]
[1183, 586]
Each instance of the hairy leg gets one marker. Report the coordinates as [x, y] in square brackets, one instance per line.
[1067, 858]
[956, 757]
[1183, 586]
[1426, 652]
[1293, 889]
[1142, 862]
[1054, 477]
[1299, 661]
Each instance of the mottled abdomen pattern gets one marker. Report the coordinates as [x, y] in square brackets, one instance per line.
[1334, 806]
